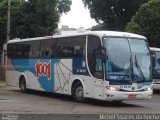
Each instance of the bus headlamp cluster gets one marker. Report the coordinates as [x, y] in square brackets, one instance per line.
[111, 88]
[148, 89]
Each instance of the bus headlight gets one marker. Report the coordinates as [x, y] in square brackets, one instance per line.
[111, 88]
[148, 88]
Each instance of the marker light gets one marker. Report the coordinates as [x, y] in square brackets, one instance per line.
[148, 88]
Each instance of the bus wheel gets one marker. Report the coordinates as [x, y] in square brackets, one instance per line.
[117, 101]
[78, 92]
[155, 91]
[22, 85]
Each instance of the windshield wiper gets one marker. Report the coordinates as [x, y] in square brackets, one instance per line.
[139, 68]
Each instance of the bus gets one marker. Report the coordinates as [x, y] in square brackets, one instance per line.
[103, 65]
[156, 69]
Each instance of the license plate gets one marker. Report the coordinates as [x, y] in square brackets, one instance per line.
[132, 96]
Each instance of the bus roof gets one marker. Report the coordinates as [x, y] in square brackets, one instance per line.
[97, 33]
[154, 49]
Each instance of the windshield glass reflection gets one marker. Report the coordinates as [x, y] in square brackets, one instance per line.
[156, 70]
[128, 59]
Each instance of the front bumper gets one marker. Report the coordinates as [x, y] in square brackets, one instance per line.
[118, 95]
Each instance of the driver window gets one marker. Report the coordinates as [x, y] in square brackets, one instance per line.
[94, 58]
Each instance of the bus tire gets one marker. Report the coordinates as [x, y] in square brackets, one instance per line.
[155, 91]
[22, 85]
[117, 101]
[78, 92]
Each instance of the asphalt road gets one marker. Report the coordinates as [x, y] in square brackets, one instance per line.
[34, 102]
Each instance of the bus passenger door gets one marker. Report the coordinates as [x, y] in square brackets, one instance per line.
[98, 88]
[98, 74]
[94, 59]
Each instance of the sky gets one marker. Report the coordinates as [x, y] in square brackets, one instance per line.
[77, 17]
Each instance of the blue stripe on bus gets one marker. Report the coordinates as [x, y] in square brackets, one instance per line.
[79, 66]
[23, 65]
[112, 82]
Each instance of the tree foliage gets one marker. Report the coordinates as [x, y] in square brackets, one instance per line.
[3, 21]
[114, 13]
[100, 26]
[63, 6]
[31, 18]
[41, 17]
[147, 22]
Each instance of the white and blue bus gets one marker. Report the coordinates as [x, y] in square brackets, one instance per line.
[104, 65]
[156, 69]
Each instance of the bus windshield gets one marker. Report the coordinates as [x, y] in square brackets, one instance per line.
[127, 59]
[156, 70]
[157, 67]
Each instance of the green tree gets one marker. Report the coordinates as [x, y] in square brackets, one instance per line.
[3, 23]
[147, 22]
[114, 13]
[41, 18]
[100, 26]
[32, 18]
[63, 6]
[16, 19]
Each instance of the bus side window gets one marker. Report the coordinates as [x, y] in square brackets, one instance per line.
[18, 50]
[45, 49]
[70, 47]
[53, 50]
[10, 51]
[33, 49]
